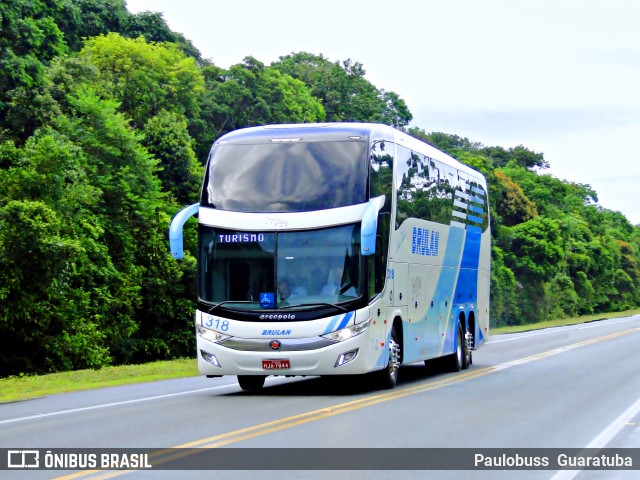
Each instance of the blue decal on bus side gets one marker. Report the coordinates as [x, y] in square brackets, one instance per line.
[425, 242]
[446, 287]
[436, 319]
[343, 319]
[383, 358]
[467, 286]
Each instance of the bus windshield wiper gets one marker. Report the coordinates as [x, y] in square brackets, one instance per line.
[215, 306]
[314, 304]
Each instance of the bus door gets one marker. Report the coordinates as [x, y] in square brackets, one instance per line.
[397, 279]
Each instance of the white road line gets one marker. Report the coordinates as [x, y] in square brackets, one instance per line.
[550, 330]
[527, 335]
[585, 326]
[125, 402]
[106, 405]
[604, 437]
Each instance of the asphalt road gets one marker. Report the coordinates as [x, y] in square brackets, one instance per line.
[569, 387]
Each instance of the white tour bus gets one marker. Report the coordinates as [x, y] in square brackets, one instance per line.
[336, 249]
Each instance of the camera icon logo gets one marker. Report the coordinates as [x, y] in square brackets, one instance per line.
[23, 459]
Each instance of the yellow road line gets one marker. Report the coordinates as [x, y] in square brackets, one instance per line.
[170, 454]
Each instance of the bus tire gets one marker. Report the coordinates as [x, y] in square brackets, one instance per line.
[467, 360]
[251, 383]
[456, 360]
[388, 377]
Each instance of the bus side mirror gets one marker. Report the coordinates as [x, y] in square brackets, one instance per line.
[369, 226]
[175, 229]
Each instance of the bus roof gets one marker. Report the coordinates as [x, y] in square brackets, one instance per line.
[313, 132]
[307, 132]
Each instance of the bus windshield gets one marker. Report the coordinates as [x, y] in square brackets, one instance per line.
[279, 270]
[286, 177]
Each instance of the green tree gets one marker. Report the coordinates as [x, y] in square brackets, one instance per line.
[37, 266]
[29, 39]
[562, 301]
[551, 195]
[520, 155]
[344, 92]
[498, 156]
[449, 143]
[90, 18]
[55, 270]
[167, 138]
[250, 94]
[505, 307]
[513, 205]
[92, 202]
[154, 28]
[144, 78]
[533, 251]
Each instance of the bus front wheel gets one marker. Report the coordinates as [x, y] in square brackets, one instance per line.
[388, 377]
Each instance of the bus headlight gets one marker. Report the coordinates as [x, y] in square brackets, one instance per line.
[349, 332]
[210, 335]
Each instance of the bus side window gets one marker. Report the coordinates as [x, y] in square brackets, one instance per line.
[381, 161]
[404, 194]
[378, 262]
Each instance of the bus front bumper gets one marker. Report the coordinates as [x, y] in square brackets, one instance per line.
[356, 355]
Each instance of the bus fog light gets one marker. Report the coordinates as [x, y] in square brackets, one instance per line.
[346, 357]
[210, 358]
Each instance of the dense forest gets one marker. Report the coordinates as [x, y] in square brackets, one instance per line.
[106, 119]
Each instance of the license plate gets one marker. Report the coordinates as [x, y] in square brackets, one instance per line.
[275, 364]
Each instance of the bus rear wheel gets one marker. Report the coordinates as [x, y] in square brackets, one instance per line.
[251, 383]
[459, 359]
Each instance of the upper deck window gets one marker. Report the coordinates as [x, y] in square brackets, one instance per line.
[286, 176]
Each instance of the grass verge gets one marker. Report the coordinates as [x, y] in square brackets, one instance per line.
[33, 386]
[563, 322]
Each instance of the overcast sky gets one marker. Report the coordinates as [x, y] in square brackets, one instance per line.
[561, 77]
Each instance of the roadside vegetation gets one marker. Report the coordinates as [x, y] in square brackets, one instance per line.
[563, 322]
[33, 386]
[106, 120]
